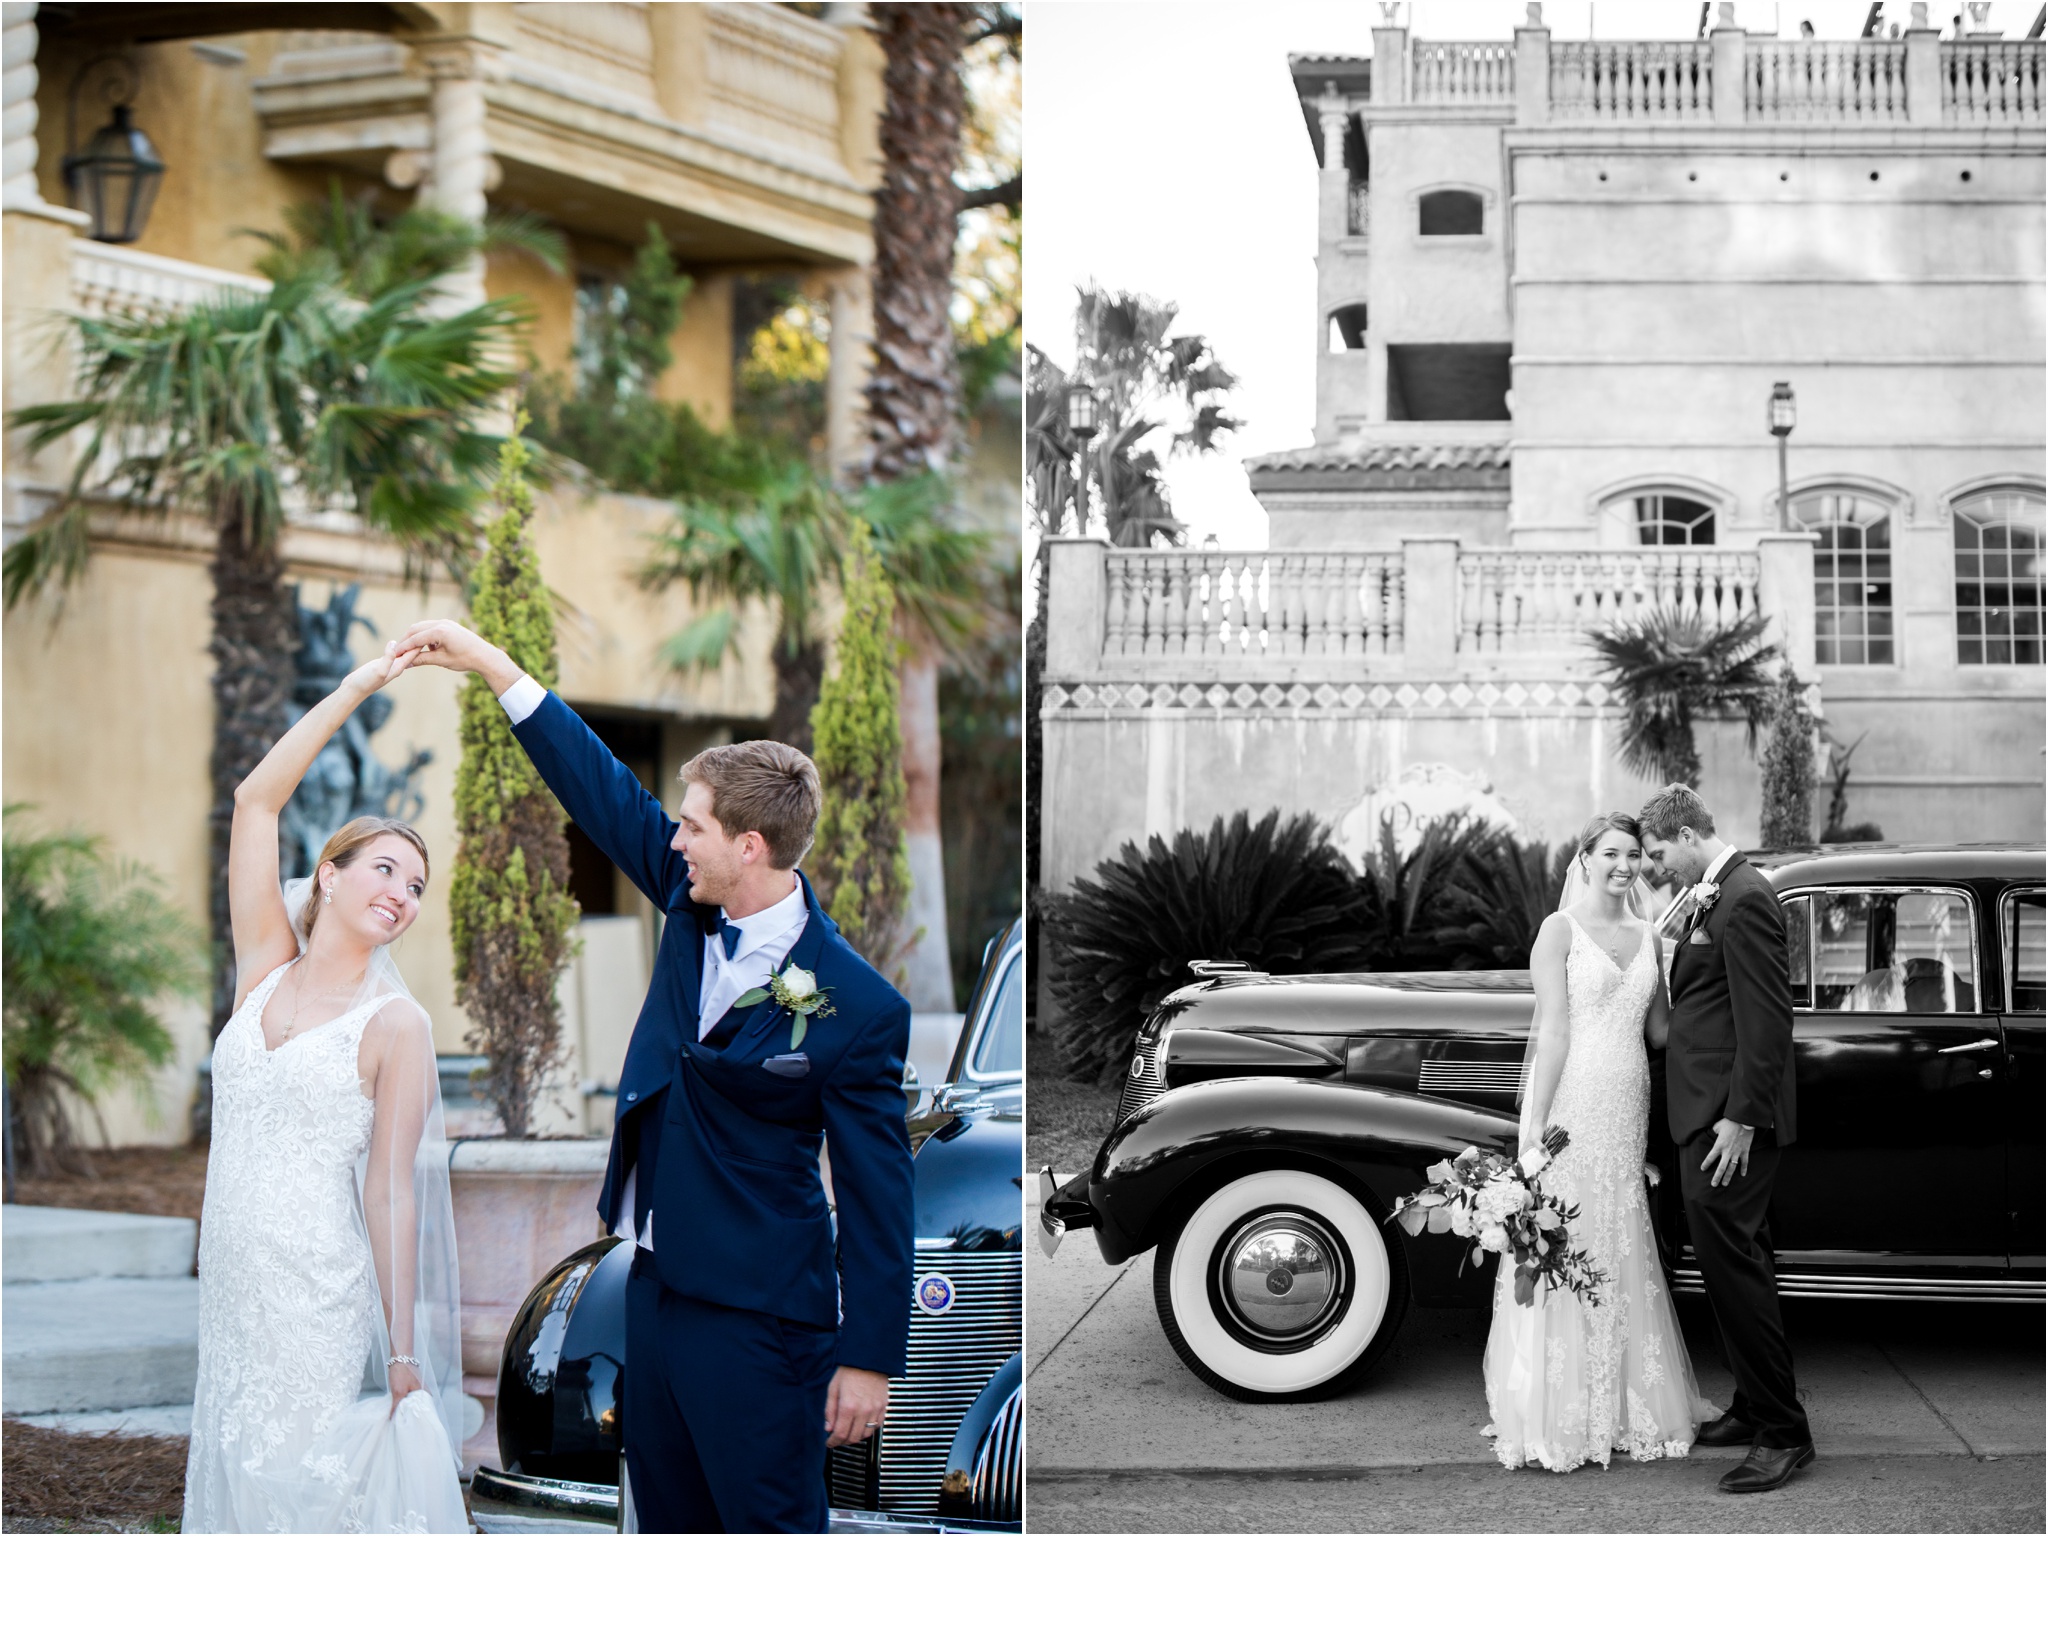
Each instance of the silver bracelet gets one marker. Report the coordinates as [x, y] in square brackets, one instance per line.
[404, 1358]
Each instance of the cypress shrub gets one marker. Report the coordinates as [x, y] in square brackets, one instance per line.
[509, 896]
[1788, 773]
[860, 866]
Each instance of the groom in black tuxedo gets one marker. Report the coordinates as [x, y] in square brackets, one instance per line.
[1729, 1084]
[755, 1336]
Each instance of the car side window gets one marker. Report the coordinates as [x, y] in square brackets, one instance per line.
[1904, 950]
[2026, 953]
[1799, 950]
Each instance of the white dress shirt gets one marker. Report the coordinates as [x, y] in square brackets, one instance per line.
[766, 937]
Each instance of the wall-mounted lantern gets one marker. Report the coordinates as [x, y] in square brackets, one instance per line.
[114, 177]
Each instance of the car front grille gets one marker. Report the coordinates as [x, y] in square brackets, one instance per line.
[1145, 1079]
[952, 1357]
[999, 1467]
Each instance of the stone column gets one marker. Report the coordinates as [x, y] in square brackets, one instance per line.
[1784, 595]
[461, 165]
[18, 85]
[1923, 70]
[852, 311]
[1334, 183]
[1532, 70]
[1729, 44]
[1429, 571]
[1073, 610]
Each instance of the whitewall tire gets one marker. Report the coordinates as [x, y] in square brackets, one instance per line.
[1281, 1286]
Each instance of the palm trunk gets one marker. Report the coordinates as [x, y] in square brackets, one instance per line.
[798, 676]
[255, 641]
[914, 393]
[928, 968]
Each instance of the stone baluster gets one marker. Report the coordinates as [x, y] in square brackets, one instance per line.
[1336, 626]
[1372, 607]
[1394, 628]
[1173, 628]
[1152, 579]
[1227, 633]
[1113, 615]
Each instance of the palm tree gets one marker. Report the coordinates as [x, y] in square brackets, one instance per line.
[299, 396]
[369, 256]
[1668, 667]
[778, 548]
[91, 945]
[1147, 380]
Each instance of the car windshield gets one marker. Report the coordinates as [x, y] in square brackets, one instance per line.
[1000, 1050]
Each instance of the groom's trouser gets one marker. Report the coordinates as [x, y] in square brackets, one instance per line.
[724, 1414]
[1732, 1240]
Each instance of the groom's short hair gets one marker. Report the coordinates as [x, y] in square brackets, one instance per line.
[763, 786]
[1673, 808]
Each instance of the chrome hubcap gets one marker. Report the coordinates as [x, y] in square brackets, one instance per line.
[1280, 1278]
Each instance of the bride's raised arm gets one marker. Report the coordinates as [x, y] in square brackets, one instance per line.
[256, 912]
[1549, 1030]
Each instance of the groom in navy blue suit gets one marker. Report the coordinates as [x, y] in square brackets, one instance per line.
[756, 1337]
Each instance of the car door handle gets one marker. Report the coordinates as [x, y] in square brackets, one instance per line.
[1961, 1050]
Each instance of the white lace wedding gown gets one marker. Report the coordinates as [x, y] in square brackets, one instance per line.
[292, 1430]
[1567, 1381]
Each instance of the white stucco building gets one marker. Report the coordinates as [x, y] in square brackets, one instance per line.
[1556, 283]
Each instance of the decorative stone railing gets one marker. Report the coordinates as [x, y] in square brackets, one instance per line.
[110, 280]
[1249, 606]
[1429, 610]
[1461, 73]
[1727, 78]
[1839, 82]
[1548, 602]
[1991, 82]
[1631, 79]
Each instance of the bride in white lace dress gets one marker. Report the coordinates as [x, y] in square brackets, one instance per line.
[1568, 1381]
[329, 1397]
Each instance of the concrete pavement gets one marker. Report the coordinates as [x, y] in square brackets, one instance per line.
[1912, 1407]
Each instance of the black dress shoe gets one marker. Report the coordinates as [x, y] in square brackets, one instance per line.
[1764, 1469]
[1725, 1433]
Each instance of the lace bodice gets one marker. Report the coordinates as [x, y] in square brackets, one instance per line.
[1603, 1094]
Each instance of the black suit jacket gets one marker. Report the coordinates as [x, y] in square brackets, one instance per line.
[1730, 1051]
[740, 1212]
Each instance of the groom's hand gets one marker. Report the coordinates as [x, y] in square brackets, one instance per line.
[1729, 1153]
[855, 1406]
[449, 646]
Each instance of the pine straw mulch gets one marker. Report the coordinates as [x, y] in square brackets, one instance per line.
[79, 1482]
[145, 1181]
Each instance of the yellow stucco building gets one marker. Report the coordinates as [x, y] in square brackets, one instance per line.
[745, 132]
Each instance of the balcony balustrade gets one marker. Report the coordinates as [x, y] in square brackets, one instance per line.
[1512, 602]
[1726, 78]
[1246, 607]
[109, 280]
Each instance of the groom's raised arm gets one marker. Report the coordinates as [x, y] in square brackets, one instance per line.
[609, 804]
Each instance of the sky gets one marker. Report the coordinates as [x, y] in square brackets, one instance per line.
[1168, 155]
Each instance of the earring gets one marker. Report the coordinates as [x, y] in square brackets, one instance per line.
[327, 896]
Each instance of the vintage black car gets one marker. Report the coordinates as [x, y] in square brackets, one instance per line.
[1268, 1123]
[951, 1454]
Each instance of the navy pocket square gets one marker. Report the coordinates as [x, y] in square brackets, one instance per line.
[792, 1065]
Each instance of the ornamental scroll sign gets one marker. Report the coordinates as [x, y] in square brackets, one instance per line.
[346, 780]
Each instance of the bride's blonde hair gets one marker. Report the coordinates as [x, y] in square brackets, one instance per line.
[344, 846]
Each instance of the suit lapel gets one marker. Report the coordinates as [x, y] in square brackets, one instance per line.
[1702, 915]
[692, 934]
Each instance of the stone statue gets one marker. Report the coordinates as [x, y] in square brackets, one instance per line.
[345, 781]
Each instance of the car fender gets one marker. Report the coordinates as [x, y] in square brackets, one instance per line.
[1188, 1141]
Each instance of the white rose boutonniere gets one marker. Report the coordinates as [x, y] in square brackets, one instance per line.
[795, 991]
[1705, 895]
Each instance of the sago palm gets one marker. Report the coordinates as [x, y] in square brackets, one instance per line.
[1667, 669]
[296, 397]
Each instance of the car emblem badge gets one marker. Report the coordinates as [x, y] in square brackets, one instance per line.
[1279, 1281]
[935, 1294]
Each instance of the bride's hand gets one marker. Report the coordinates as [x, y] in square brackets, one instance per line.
[373, 674]
[404, 1379]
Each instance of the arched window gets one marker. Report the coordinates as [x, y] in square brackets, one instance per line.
[1452, 212]
[1347, 328]
[1852, 578]
[1999, 568]
[1656, 518]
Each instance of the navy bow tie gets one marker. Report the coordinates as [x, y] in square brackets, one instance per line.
[729, 935]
